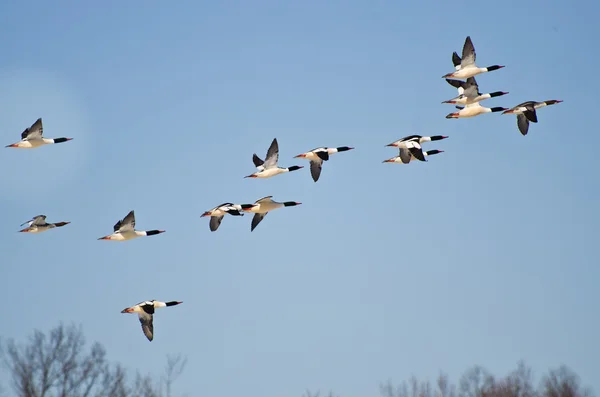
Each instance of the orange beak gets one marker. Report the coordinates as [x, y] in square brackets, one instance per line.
[104, 238]
[250, 176]
[128, 310]
[207, 213]
[300, 156]
[13, 145]
[24, 230]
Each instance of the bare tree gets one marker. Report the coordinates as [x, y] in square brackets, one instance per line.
[563, 382]
[58, 365]
[477, 382]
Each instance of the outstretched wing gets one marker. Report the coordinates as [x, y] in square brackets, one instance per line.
[256, 220]
[456, 60]
[315, 169]
[215, 222]
[522, 123]
[125, 224]
[468, 53]
[34, 132]
[404, 155]
[272, 155]
[257, 161]
[267, 199]
[147, 325]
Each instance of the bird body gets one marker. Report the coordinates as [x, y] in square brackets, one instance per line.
[268, 167]
[317, 156]
[526, 112]
[465, 67]
[38, 224]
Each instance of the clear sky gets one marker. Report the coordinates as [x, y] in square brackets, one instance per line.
[483, 255]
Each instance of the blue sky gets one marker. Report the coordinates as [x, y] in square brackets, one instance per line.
[484, 255]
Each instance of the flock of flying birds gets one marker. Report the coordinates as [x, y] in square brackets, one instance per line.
[409, 149]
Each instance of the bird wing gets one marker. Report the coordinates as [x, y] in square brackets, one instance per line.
[256, 220]
[266, 199]
[38, 220]
[34, 132]
[522, 123]
[404, 155]
[215, 222]
[125, 224]
[468, 53]
[456, 60]
[315, 169]
[272, 155]
[147, 325]
[257, 161]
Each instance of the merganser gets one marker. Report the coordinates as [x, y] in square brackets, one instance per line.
[526, 112]
[125, 230]
[317, 156]
[268, 167]
[472, 110]
[145, 311]
[32, 137]
[468, 92]
[217, 213]
[467, 67]
[262, 206]
[405, 156]
[402, 142]
[38, 224]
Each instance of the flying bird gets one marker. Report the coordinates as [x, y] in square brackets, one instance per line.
[466, 67]
[405, 156]
[145, 311]
[38, 224]
[526, 112]
[217, 213]
[317, 156]
[468, 92]
[32, 137]
[472, 110]
[403, 142]
[269, 167]
[263, 206]
[125, 230]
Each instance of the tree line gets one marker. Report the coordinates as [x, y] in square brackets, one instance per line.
[58, 364]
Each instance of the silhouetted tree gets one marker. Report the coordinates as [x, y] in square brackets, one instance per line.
[58, 365]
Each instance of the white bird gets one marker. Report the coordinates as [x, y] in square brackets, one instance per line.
[269, 167]
[38, 224]
[217, 213]
[405, 156]
[261, 207]
[125, 230]
[32, 137]
[403, 142]
[468, 92]
[472, 110]
[466, 67]
[145, 311]
[526, 112]
[317, 156]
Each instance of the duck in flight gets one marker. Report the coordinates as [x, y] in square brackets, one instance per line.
[32, 137]
[472, 110]
[263, 206]
[404, 142]
[468, 92]
[125, 230]
[38, 224]
[145, 311]
[317, 156]
[217, 213]
[466, 67]
[526, 112]
[406, 156]
[269, 167]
